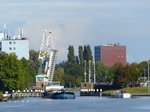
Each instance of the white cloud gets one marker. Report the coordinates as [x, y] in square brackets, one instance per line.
[65, 33]
[75, 22]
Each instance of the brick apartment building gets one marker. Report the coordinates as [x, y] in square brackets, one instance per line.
[110, 54]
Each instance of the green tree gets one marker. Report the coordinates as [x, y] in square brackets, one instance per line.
[73, 69]
[81, 58]
[79, 79]
[34, 63]
[10, 75]
[69, 81]
[58, 76]
[15, 74]
[133, 74]
[87, 53]
[77, 59]
[118, 73]
[1, 97]
[71, 55]
[102, 72]
[143, 67]
[28, 72]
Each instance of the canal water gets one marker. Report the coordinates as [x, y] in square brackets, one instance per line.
[80, 104]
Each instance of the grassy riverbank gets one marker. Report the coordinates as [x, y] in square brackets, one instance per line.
[72, 89]
[129, 90]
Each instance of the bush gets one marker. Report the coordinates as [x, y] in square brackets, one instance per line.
[1, 97]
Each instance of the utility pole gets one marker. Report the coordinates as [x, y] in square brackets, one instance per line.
[84, 71]
[94, 74]
[89, 71]
[148, 76]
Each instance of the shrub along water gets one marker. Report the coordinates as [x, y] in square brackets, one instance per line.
[1, 97]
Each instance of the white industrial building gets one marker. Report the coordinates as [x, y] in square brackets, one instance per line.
[18, 45]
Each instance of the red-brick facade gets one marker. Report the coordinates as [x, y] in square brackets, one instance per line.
[110, 54]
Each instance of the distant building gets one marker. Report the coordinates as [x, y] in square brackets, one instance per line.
[18, 45]
[110, 54]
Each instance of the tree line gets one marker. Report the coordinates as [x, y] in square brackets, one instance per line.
[18, 74]
[71, 72]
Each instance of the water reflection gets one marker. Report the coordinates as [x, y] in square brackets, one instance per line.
[80, 104]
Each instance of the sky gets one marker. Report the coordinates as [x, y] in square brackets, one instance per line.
[82, 22]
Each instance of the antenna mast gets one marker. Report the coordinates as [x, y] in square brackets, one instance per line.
[4, 30]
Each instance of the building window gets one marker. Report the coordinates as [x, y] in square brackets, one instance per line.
[10, 48]
[10, 42]
[14, 42]
[14, 48]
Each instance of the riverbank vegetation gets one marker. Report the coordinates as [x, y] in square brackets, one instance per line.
[1, 97]
[136, 89]
[71, 72]
[131, 90]
[15, 74]
[19, 74]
